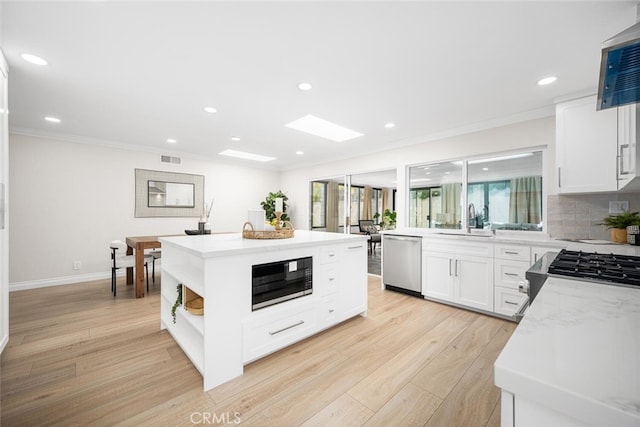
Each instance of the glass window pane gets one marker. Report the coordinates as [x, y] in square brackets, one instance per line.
[506, 192]
[435, 195]
[318, 204]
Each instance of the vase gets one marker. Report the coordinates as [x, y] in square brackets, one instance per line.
[618, 235]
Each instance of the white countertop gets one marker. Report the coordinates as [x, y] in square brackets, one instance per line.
[577, 351]
[532, 238]
[213, 245]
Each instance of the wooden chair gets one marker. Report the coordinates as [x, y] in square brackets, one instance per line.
[120, 259]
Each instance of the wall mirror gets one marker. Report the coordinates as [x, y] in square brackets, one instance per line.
[168, 194]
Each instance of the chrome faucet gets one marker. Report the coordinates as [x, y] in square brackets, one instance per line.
[472, 218]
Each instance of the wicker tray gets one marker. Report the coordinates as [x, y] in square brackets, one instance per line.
[285, 232]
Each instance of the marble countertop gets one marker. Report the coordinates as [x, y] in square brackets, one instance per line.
[213, 245]
[531, 238]
[577, 351]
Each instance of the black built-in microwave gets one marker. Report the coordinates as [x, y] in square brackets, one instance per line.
[280, 281]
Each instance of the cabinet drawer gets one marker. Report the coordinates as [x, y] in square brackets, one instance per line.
[327, 281]
[509, 273]
[508, 301]
[329, 254]
[262, 335]
[515, 252]
[461, 247]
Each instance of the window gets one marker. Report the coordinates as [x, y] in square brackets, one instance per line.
[503, 193]
[318, 204]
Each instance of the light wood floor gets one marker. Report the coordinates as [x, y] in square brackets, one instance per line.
[76, 356]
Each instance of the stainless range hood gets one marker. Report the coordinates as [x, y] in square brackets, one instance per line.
[620, 69]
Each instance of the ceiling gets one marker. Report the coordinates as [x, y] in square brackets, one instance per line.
[133, 74]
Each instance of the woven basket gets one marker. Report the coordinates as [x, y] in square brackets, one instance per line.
[285, 232]
[195, 306]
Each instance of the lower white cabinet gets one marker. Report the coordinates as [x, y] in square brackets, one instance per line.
[271, 330]
[508, 301]
[465, 280]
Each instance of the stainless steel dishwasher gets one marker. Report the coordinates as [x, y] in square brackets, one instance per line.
[402, 263]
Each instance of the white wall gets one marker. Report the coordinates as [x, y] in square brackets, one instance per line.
[69, 200]
[529, 134]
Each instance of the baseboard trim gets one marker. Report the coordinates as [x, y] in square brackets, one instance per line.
[57, 281]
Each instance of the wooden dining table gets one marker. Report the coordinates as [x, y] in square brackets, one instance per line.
[137, 245]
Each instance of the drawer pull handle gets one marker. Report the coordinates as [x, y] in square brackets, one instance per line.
[511, 274]
[510, 302]
[512, 253]
[332, 254]
[331, 310]
[286, 328]
[355, 247]
[331, 279]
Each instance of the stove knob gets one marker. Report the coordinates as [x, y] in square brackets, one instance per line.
[523, 286]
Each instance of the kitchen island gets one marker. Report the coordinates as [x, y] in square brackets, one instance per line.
[573, 360]
[229, 333]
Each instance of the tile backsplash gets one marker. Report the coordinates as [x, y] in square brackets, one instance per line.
[577, 216]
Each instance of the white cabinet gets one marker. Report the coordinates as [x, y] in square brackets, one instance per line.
[586, 142]
[595, 150]
[450, 274]
[223, 277]
[4, 215]
[511, 264]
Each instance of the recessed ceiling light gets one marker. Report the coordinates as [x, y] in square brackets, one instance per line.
[299, 153]
[247, 156]
[235, 138]
[34, 59]
[171, 141]
[210, 110]
[485, 169]
[390, 125]
[547, 80]
[304, 86]
[52, 119]
[323, 128]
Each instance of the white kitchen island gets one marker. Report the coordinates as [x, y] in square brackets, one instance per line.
[218, 267]
[574, 360]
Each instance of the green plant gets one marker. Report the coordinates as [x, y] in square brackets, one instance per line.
[376, 217]
[177, 303]
[622, 220]
[269, 205]
[388, 218]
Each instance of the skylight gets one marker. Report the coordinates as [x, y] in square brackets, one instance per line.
[319, 127]
[246, 156]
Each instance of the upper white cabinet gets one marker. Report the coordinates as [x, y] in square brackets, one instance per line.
[586, 142]
[595, 150]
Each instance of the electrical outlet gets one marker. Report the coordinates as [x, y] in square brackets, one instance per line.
[77, 265]
[618, 207]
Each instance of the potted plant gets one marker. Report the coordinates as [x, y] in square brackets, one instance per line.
[269, 206]
[618, 225]
[389, 219]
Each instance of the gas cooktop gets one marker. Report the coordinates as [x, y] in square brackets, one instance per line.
[615, 269]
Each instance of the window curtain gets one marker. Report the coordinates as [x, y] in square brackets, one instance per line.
[385, 200]
[366, 203]
[451, 204]
[525, 200]
[333, 194]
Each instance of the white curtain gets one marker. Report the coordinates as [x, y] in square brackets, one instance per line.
[333, 220]
[451, 210]
[525, 201]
